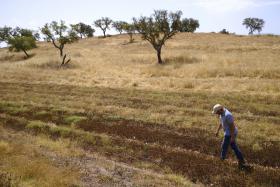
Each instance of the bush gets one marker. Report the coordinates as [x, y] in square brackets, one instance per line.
[38, 127]
[224, 31]
[74, 119]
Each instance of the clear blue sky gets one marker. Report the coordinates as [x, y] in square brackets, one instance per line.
[214, 15]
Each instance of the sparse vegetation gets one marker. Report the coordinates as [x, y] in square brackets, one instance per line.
[119, 119]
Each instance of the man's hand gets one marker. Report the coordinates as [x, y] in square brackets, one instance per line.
[218, 130]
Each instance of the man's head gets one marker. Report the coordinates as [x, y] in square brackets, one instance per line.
[218, 109]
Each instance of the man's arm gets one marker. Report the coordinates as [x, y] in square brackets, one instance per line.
[219, 128]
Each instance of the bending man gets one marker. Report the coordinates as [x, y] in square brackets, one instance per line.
[230, 133]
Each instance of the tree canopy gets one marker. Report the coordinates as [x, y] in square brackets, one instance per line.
[130, 29]
[189, 25]
[104, 24]
[158, 28]
[119, 26]
[21, 43]
[60, 35]
[19, 39]
[254, 24]
[83, 30]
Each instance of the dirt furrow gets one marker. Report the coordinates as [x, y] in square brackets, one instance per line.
[196, 166]
[189, 139]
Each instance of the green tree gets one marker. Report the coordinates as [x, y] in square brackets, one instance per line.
[119, 26]
[189, 25]
[21, 43]
[253, 24]
[103, 24]
[130, 29]
[26, 32]
[59, 35]
[83, 30]
[5, 33]
[18, 39]
[158, 28]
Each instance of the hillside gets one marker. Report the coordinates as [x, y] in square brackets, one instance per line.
[114, 116]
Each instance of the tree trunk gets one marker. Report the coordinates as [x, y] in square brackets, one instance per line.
[27, 55]
[159, 56]
[130, 38]
[63, 63]
[61, 51]
[104, 33]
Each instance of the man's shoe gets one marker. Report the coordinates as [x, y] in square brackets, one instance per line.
[241, 165]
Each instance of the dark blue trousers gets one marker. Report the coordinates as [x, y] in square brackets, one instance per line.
[225, 145]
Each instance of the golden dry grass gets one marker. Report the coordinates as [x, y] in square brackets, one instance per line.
[20, 155]
[210, 62]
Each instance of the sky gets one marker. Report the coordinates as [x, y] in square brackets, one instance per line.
[213, 15]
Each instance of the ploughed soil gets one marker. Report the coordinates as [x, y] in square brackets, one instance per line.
[191, 152]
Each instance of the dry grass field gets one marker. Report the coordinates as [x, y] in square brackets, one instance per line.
[115, 117]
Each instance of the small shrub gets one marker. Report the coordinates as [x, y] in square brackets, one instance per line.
[74, 119]
[224, 31]
[61, 132]
[38, 127]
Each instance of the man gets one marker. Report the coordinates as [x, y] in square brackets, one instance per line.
[230, 133]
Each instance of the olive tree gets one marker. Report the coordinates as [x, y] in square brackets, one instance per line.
[130, 29]
[21, 43]
[119, 26]
[103, 24]
[26, 32]
[254, 24]
[83, 30]
[5, 33]
[158, 28]
[19, 39]
[189, 25]
[60, 35]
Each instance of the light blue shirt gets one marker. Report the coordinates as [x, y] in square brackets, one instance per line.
[226, 119]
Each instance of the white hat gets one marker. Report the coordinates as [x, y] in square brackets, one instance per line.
[216, 108]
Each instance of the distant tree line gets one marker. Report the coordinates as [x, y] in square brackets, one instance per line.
[156, 29]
